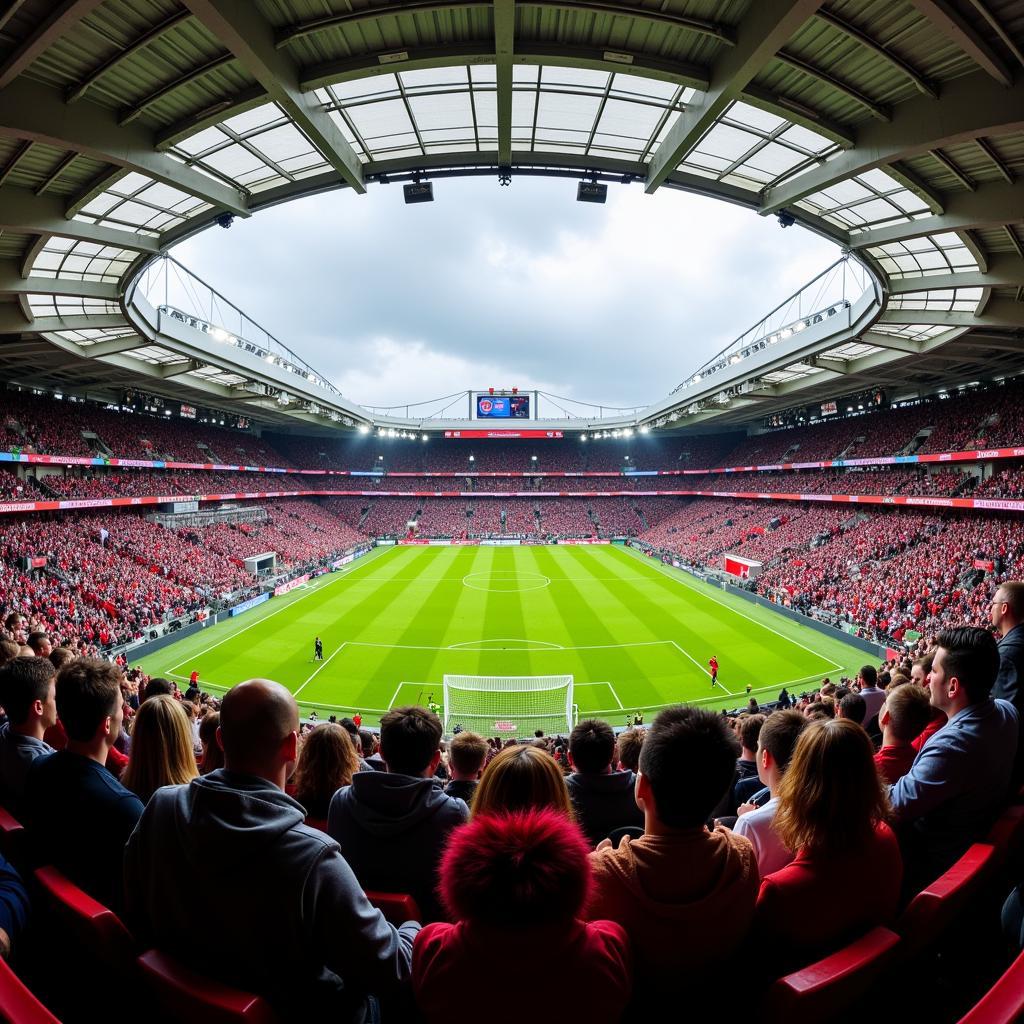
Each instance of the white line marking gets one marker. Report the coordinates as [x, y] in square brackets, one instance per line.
[685, 583]
[320, 668]
[398, 690]
[331, 578]
[476, 645]
[616, 696]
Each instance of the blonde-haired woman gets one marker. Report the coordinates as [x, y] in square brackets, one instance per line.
[833, 811]
[162, 753]
[521, 778]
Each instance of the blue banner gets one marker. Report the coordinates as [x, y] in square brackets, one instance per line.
[248, 605]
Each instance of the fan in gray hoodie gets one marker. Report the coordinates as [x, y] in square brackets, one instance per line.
[286, 917]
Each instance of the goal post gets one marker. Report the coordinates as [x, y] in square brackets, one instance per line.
[509, 705]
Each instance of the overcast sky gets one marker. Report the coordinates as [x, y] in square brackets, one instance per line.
[501, 287]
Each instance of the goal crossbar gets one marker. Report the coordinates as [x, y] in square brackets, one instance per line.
[509, 705]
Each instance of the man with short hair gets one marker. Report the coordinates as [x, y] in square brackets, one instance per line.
[776, 744]
[158, 687]
[1007, 613]
[466, 755]
[392, 826]
[750, 729]
[919, 672]
[871, 692]
[293, 923]
[853, 707]
[627, 746]
[79, 815]
[683, 894]
[28, 695]
[959, 781]
[41, 644]
[905, 713]
[603, 798]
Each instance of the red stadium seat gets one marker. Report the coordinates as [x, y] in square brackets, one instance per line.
[85, 923]
[829, 989]
[12, 837]
[1003, 1003]
[397, 907]
[184, 995]
[17, 1004]
[933, 910]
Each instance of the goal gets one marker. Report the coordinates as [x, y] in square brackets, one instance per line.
[509, 705]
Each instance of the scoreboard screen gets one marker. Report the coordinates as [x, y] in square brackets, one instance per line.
[503, 407]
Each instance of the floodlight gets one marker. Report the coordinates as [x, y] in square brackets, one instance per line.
[364, 428]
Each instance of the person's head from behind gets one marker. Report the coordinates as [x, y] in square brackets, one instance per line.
[60, 656]
[819, 710]
[868, 676]
[28, 693]
[89, 703]
[628, 745]
[750, 730]
[410, 741]
[41, 644]
[157, 687]
[905, 713]
[259, 729]
[591, 746]
[9, 650]
[213, 756]
[831, 798]
[367, 743]
[853, 707]
[524, 866]
[776, 744]
[466, 755]
[964, 667]
[327, 761]
[687, 762]
[520, 778]
[162, 753]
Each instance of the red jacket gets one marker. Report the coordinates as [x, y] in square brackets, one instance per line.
[516, 885]
[809, 909]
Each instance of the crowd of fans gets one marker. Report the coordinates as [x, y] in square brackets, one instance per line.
[609, 866]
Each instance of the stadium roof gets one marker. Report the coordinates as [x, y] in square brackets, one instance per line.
[895, 127]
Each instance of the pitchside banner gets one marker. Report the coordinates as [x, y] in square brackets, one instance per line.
[291, 585]
[246, 606]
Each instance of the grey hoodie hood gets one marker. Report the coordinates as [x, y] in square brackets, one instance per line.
[390, 805]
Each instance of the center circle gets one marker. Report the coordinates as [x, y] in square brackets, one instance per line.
[505, 581]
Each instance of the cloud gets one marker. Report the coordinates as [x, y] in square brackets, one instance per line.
[499, 287]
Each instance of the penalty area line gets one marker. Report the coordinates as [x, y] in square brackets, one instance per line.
[320, 668]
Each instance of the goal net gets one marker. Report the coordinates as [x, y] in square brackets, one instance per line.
[509, 705]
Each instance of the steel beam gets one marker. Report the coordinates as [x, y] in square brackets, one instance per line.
[769, 25]
[961, 33]
[61, 18]
[504, 46]
[242, 29]
[29, 110]
[971, 107]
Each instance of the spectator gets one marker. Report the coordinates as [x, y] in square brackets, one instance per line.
[904, 715]
[852, 707]
[467, 753]
[367, 745]
[777, 742]
[628, 746]
[960, 779]
[40, 643]
[9, 650]
[330, 949]
[60, 656]
[602, 797]
[750, 729]
[832, 811]
[516, 886]
[1008, 619]
[679, 921]
[213, 756]
[327, 762]
[162, 753]
[80, 815]
[28, 695]
[919, 672]
[519, 778]
[392, 826]
[14, 907]
[873, 696]
[157, 687]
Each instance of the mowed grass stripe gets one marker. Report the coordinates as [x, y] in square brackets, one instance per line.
[504, 617]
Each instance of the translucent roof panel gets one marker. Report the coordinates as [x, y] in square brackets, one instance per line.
[69, 305]
[866, 201]
[93, 336]
[928, 256]
[139, 203]
[81, 261]
[555, 109]
[915, 332]
[753, 148]
[946, 300]
[255, 150]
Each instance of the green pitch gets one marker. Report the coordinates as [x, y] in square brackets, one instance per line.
[634, 634]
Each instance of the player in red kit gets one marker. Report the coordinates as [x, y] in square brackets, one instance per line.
[713, 665]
